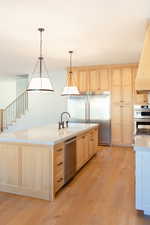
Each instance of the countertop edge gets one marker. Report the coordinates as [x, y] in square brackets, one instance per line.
[47, 143]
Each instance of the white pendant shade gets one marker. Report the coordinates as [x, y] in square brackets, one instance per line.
[40, 84]
[70, 90]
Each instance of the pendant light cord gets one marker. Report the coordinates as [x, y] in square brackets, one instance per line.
[70, 67]
[41, 57]
[70, 70]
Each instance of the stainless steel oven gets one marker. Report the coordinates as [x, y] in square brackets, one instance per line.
[142, 111]
[142, 119]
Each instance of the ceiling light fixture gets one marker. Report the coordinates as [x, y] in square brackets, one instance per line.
[41, 83]
[70, 90]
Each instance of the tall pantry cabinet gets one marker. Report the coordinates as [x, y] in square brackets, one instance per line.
[122, 106]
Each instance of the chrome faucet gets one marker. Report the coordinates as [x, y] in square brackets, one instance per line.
[62, 122]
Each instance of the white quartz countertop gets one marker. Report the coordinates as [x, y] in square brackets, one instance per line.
[142, 143]
[47, 135]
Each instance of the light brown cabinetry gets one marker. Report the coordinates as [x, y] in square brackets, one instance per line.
[25, 170]
[86, 146]
[82, 150]
[58, 166]
[99, 80]
[120, 80]
[79, 78]
[93, 142]
[122, 104]
[90, 79]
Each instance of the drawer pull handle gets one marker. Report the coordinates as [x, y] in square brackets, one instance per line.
[59, 164]
[58, 181]
[59, 150]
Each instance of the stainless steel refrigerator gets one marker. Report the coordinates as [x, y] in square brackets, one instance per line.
[92, 109]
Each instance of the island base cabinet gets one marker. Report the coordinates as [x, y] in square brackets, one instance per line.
[86, 147]
[25, 170]
[143, 181]
[81, 150]
[38, 170]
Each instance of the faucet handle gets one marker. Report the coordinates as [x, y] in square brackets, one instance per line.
[63, 124]
[59, 125]
[67, 123]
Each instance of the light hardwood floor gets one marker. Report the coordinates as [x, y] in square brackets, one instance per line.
[101, 194]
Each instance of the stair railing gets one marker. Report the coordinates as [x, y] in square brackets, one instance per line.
[14, 111]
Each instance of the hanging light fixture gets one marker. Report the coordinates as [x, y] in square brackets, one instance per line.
[40, 83]
[70, 90]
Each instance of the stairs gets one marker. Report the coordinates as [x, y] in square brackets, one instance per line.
[13, 111]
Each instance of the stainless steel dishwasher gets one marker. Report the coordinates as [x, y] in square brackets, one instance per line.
[69, 159]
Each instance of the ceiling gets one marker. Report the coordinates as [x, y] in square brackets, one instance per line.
[99, 32]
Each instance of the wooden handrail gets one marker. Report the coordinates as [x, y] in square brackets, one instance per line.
[13, 111]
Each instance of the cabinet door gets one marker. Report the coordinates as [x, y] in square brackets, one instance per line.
[94, 78]
[116, 86]
[85, 148]
[104, 80]
[9, 166]
[79, 152]
[83, 81]
[35, 168]
[127, 89]
[95, 139]
[127, 125]
[116, 126]
[91, 144]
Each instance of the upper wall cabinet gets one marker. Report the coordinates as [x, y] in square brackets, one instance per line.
[127, 85]
[122, 88]
[99, 80]
[116, 86]
[79, 79]
[83, 81]
[90, 79]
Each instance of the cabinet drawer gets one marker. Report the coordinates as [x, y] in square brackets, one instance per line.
[59, 182]
[59, 153]
[59, 168]
[59, 159]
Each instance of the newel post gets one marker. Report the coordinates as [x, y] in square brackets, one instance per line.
[1, 120]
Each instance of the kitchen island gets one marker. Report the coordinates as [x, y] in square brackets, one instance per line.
[32, 161]
[142, 172]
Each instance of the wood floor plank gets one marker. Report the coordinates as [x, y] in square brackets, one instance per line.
[102, 193]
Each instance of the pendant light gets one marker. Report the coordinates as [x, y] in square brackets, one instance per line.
[70, 90]
[40, 83]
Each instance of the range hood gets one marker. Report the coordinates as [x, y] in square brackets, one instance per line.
[142, 81]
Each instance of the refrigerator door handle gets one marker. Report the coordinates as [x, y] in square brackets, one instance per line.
[86, 111]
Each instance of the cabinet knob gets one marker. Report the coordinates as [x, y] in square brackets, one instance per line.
[59, 150]
[59, 163]
[58, 181]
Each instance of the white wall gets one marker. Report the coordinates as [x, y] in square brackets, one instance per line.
[21, 84]
[7, 92]
[44, 108]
